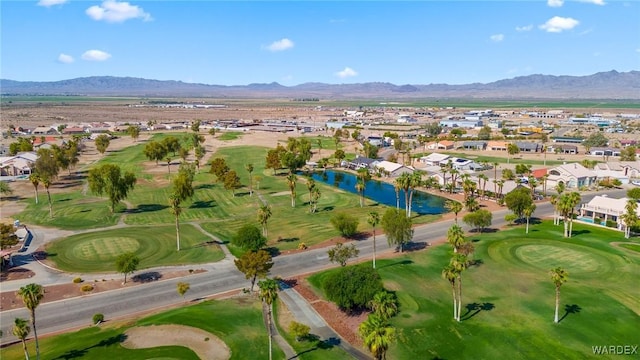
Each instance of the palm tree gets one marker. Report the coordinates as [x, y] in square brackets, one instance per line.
[415, 180]
[35, 180]
[472, 204]
[176, 210]
[559, 276]
[268, 294]
[384, 304]
[396, 187]
[500, 184]
[630, 217]
[544, 184]
[459, 262]
[46, 182]
[454, 179]
[495, 178]
[484, 179]
[291, 182]
[264, 213]
[315, 196]
[249, 168]
[565, 208]
[554, 201]
[528, 211]
[451, 274]
[560, 187]
[363, 176]
[574, 199]
[311, 185]
[374, 219]
[31, 295]
[21, 330]
[319, 143]
[455, 207]
[403, 182]
[455, 237]
[377, 335]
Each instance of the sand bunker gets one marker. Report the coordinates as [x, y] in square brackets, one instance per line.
[178, 335]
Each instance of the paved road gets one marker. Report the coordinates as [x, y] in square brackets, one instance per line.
[220, 277]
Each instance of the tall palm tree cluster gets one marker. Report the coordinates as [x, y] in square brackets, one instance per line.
[462, 250]
[376, 332]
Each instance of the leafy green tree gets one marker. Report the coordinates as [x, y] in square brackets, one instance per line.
[254, 265]
[373, 219]
[21, 330]
[8, 238]
[46, 167]
[199, 152]
[346, 224]
[397, 227]
[512, 149]
[339, 155]
[195, 126]
[219, 168]
[172, 144]
[559, 276]
[634, 193]
[628, 154]
[231, 181]
[342, 253]
[5, 189]
[352, 287]
[377, 336]
[384, 304]
[480, 219]
[433, 129]
[102, 143]
[182, 288]
[155, 151]
[299, 330]
[273, 160]
[595, 140]
[517, 200]
[370, 150]
[264, 214]
[108, 179]
[182, 190]
[269, 294]
[127, 263]
[484, 133]
[249, 238]
[134, 132]
[31, 295]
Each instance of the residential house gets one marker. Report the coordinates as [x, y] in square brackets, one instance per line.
[17, 165]
[361, 162]
[567, 139]
[474, 145]
[604, 151]
[603, 208]
[524, 146]
[434, 159]
[75, 130]
[392, 169]
[573, 175]
[497, 146]
[458, 123]
[440, 145]
[563, 149]
[45, 130]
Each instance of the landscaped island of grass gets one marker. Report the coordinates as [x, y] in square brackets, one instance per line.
[508, 297]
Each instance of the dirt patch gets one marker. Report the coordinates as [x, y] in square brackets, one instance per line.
[204, 344]
[9, 299]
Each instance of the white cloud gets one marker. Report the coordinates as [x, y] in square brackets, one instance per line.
[347, 72]
[558, 24]
[497, 37]
[113, 11]
[95, 55]
[555, 3]
[524, 28]
[47, 3]
[595, 2]
[65, 59]
[280, 45]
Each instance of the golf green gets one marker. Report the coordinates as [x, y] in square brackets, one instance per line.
[105, 248]
[570, 257]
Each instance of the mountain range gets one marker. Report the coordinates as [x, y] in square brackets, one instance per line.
[602, 85]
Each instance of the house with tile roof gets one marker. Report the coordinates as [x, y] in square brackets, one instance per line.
[573, 175]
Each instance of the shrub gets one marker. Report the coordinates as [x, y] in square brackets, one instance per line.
[249, 237]
[86, 288]
[98, 318]
[77, 280]
[352, 287]
[299, 330]
[302, 246]
[346, 224]
[611, 224]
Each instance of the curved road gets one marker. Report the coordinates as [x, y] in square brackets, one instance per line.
[220, 277]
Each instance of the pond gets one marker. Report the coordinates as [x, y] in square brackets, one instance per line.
[382, 192]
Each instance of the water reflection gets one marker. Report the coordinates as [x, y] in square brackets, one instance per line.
[382, 192]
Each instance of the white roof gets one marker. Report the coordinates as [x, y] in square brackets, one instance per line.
[609, 203]
[435, 157]
[574, 169]
[389, 166]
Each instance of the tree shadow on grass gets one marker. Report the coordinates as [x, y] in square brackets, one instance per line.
[319, 344]
[289, 239]
[570, 309]
[202, 204]
[474, 309]
[580, 232]
[74, 354]
[401, 262]
[272, 250]
[142, 208]
[414, 246]
[204, 186]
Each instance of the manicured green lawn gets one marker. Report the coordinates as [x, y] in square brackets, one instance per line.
[237, 322]
[229, 135]
[155, 246]
[508, 300]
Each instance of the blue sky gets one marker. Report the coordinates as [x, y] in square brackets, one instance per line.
[294, 42]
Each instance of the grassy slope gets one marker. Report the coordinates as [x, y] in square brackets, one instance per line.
[518, 296]
[238, 322]
[156, 246]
